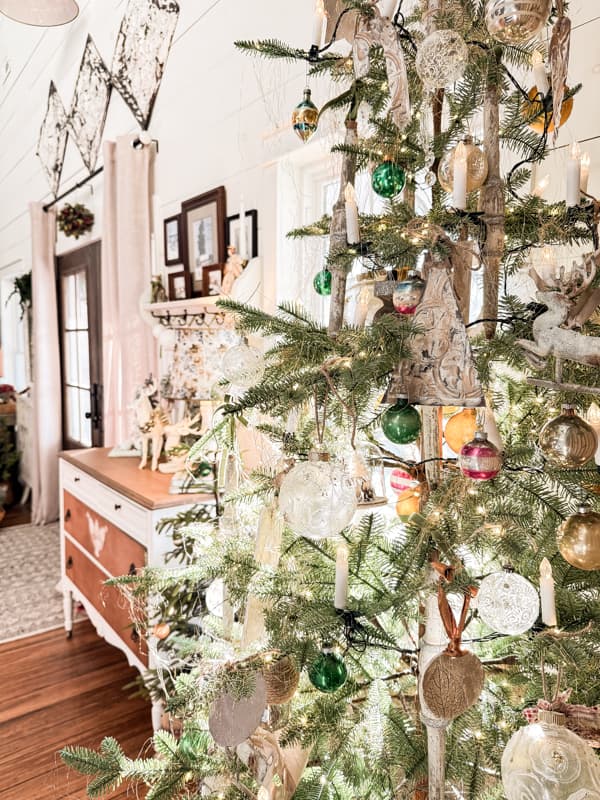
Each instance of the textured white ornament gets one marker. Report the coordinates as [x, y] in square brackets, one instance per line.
[546, 761]
[441, 59]
[243, 366]
[508, 603]
[318, 499]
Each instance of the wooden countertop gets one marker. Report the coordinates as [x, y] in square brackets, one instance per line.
[143, 486]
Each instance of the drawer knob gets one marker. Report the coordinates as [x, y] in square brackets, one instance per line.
[69, 562]
[67, 514]
[132, 569]
[118, 506]
[135, 637]
[76, 479]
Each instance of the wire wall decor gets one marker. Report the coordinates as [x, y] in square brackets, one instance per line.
[141, 51]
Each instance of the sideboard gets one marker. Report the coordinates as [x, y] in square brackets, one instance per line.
[109, 512]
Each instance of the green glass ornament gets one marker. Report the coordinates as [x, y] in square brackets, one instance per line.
[328, 673]
[322, 283]
[401, 423]
[388, 179]
[204, 469]
[191, 744]
[305, 117]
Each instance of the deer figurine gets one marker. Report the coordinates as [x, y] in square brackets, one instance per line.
[151, 422]
[173, 432]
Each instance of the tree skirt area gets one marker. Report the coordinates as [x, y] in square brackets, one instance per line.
[30, 601]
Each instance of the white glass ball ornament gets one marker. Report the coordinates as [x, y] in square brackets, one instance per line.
[317, 498]
[516, 21]
[508, 603]
[546, 761]
[243, 366]
[441, 59]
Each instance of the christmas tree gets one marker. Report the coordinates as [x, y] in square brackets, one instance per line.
[350, 652]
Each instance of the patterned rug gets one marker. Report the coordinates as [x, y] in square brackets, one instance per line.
[29, 573]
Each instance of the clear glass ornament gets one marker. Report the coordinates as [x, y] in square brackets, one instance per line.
[408, 293]
[546, 761]
[477, 167]
[479, 459]
[579, 539]
[567, 440]
[441, 59]
[243, 366]
[516, 21]
[508, 603]
[318, 498]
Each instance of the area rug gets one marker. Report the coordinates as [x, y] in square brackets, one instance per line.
[29, 573]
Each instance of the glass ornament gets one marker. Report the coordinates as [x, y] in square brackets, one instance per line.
[536, 110]
[317, 498]
[477, 167]
[567, 440]
[328, 673]
[547, 761]
[305, 117]
[243, 366]
[441, 59]
[41, 13]
[408, 293]
[579, 539]
[409, 502]
[479, 459]
[460, 429]
[401, 423]
[401, 480]
[388, 179]
[508, 603]
[516, 21]
[191, 744]
[203, 469]
[322, 283]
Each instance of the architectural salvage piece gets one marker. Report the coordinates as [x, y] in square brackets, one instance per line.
[378, 30]
[90, 104]
[53, 139]
[441, 370]
[141, 52]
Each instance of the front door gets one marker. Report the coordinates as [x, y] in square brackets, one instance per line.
[80, 315]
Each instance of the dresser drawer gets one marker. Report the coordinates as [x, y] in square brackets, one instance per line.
[107, 600]
[116, 551]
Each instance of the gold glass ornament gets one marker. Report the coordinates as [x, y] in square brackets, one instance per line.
[579, 539]
[567, 440]
[161, 630]
[305, 117]
[516, 21]
[281, 679]
[460, 429]
[409, 502]
[477, 167]
[528, 110]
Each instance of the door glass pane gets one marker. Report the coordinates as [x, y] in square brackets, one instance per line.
[82, 307]
[73, 414]
[71, 358]
[83, 357]
[85, 424]
[70, 302]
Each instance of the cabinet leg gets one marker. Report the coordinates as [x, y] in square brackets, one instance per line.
[157, 712]
[68, 612]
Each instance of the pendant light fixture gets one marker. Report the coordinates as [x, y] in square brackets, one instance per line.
[44, 13]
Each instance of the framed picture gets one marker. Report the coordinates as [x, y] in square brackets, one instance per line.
[212, 280]
[203, 235]
[172, 235]
[180, 285]
[234, 230]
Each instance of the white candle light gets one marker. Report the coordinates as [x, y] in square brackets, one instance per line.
[547, 594]
[573, 175]
[585, 172]
[541, 186]
[341, 576]
[243, 244]
[318, 20]
[459, 185]
[352, 226]
[387, 8]
[539, 72]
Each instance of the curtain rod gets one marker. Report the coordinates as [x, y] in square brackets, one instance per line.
[136, 143]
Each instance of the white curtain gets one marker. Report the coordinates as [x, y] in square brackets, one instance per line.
[128, 350]
[47, 407]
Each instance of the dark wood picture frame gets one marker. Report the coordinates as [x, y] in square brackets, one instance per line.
[174, 220]
[196, 267]
[253, 245]
[206, 273]
[188, 285]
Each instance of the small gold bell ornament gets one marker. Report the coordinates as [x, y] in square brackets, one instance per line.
[547, 761]
[579, 539]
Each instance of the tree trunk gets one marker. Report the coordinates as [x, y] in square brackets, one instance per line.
[337, 234]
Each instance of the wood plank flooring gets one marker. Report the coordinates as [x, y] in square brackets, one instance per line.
[54, 692]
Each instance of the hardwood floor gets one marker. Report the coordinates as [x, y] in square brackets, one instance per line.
[53, 692]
